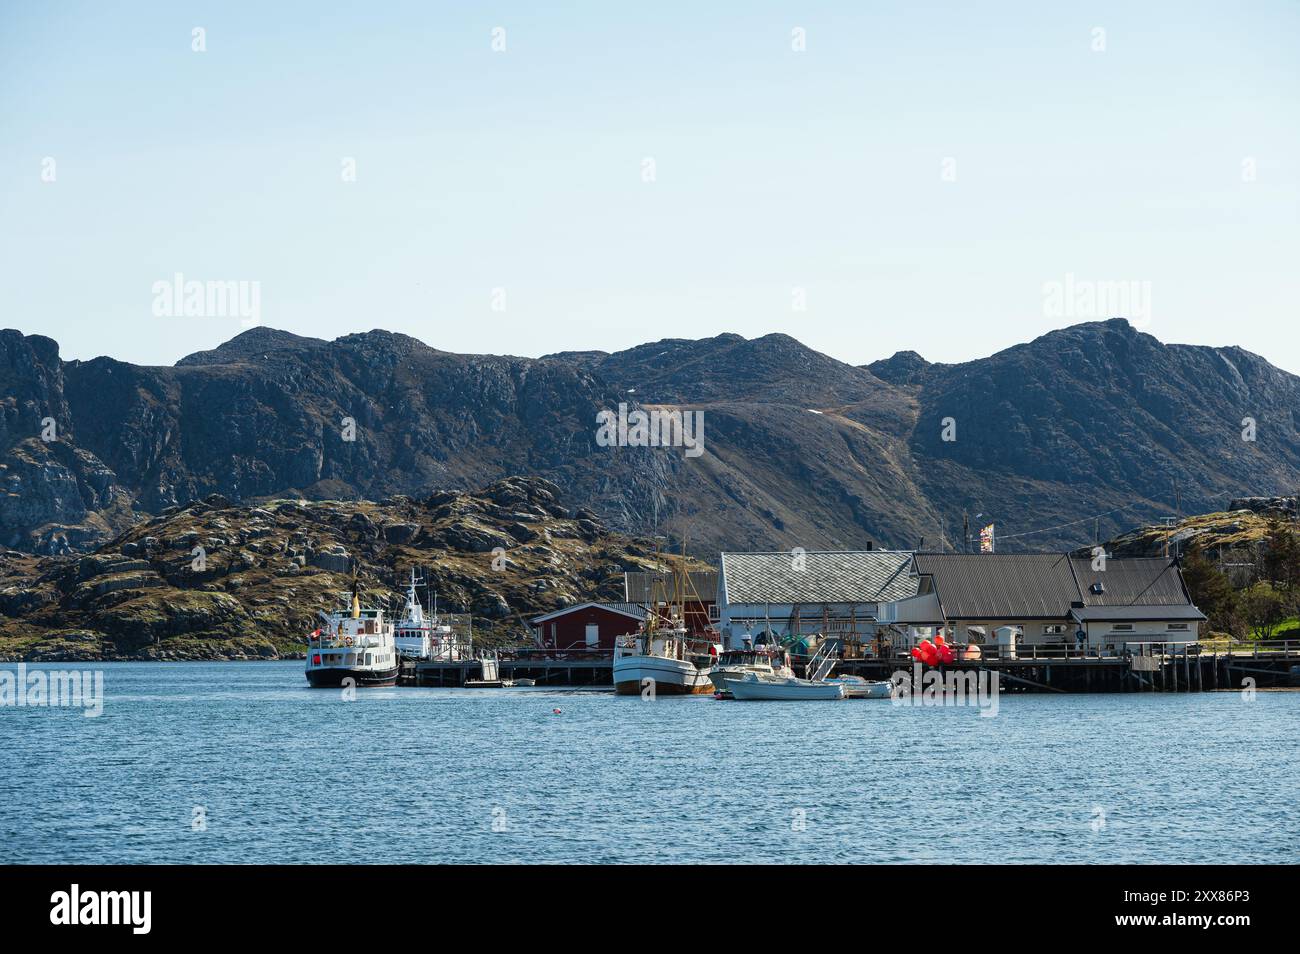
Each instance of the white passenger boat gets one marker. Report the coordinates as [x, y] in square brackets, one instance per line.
[426, 637]
[757, 686]
[353, 644]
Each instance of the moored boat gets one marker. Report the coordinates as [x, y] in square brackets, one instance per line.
[665, 657]
[855, 687]
[754, 686]
[427, 637]
[736, 663]
[353, 647]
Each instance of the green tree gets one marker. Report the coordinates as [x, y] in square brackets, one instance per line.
[1281, 553]
[1264, 608]
[1211, 591]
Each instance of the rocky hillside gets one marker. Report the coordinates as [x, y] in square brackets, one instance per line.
[800, 449]
[1234, 533]
[266, 570]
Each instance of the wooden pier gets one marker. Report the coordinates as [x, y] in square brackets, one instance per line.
[1267, 664]
[1162, 669]
[545, 667]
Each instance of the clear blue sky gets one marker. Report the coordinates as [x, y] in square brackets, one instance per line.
[775, 170]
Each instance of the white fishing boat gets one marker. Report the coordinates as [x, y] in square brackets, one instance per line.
[758, 686]
[665, 656]
[427, 637]
[353, 646]
[664, 653]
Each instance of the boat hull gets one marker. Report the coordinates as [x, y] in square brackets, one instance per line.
[722, 679]
[334, 676]
[863, 689]
[756, 690]
[671, 677]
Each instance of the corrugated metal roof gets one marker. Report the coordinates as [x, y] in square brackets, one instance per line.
[1151, 580]
[1001, 585]
[641, 586]
[1044, 585]
[828, 576]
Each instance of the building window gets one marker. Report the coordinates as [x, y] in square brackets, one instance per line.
[1178, 627]
[1122, 627]
[715, 614]
[1054, 629]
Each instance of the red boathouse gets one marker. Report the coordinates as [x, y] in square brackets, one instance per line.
[587, 625]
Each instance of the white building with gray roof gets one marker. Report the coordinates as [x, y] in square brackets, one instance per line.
[1049, 600]
[797, 593]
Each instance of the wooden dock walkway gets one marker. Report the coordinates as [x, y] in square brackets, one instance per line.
[1259, 665]
[1181, 671]
[544, 671]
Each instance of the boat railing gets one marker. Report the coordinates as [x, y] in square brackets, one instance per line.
[347, 641]
[821, 663]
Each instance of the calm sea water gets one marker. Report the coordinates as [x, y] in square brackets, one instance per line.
[279, 772]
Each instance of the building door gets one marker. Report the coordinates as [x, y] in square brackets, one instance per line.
[593, 634]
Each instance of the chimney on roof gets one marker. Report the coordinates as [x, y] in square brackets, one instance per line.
[869, 544]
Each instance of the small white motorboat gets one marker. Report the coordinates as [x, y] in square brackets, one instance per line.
[855, 687]
[734, 663]
[760, 686]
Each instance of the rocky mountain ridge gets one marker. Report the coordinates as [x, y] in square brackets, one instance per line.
[1094, 421]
